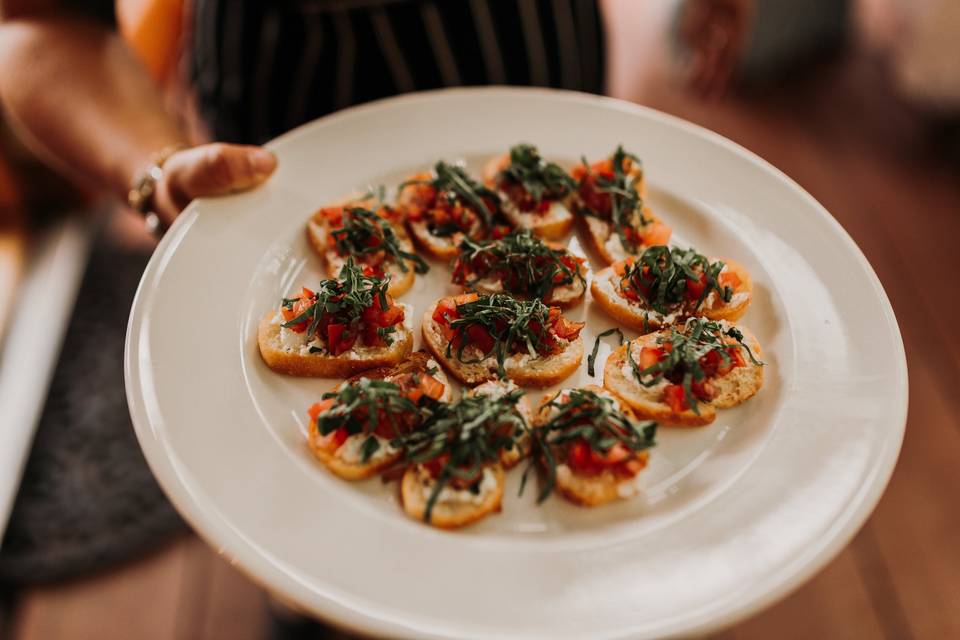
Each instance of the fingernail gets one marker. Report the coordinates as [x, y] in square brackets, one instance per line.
[263, 161]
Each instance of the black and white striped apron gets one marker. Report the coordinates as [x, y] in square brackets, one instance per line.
[260, 68]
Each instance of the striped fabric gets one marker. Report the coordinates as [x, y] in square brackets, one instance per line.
[263, 67]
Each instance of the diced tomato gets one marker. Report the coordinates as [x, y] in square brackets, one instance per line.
[436, 465]
[567, 330]
[542, 207]
[500, 231]
[333, 215]
[736, 356]
[630, 468]
[390, 317]
[695, 288]
[445, 312]
[333, 440]
[479, 336]
[581, 460]
[466, 298]
[585, 461]
[656, 234]
[337, 341]
[319, 407]
[674, 396]
[650, 356]
[302, 304]
[620, 266]
[703, 390]
[729, 279]
[431, 387]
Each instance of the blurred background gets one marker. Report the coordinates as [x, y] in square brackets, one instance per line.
[857, 100]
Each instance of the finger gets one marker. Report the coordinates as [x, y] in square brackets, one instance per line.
[216, 169]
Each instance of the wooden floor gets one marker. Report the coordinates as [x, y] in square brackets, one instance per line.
[863, 155]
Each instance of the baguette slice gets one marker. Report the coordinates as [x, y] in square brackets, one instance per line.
[606, 292]
[734, 388]
[593, 491]
[496, 388]
[318, 233]
[449, 514]
[537, 372]
[292, 362]
[552, 225]
[340, 460]
[604, 240]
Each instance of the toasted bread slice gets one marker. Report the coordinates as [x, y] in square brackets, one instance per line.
[344, 460]
[604, 240]
[647, 402]
[495, 388]
[318, 233]
[457, 508]
[525, 371]
[552, 225]
[734, 388]
[593, 491]
[635, 315]
[297, 361]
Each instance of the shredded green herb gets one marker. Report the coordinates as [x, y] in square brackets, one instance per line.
[453, 184]
[514, 326]
[681, 363]
[525, 265]
[592, 358]
[540, 179]
[626, 205]
[661, 275]
[588, 416]
[467, 436]
[363, 232]
[345, 297]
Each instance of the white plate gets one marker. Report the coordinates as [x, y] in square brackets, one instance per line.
[733, 515]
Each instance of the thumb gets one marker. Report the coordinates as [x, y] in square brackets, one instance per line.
[215, 169]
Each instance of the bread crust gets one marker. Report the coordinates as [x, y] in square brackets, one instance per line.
[325, 366]
[593, 491]
[542, 372]
[445, 515]
[552, 298]
[435, 246]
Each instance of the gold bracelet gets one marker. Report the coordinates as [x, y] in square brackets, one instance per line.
[144, 187]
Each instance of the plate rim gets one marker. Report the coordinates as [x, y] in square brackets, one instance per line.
[254, 565]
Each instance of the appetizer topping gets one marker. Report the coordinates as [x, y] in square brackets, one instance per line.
[343, 310]
[531, 183]
[451, 201]
[498, 326]
[588, 433]
[369, 414]
[684, 362]
[671, 280]
[520, 262]
[369, 237]
[458, 443]
[608, 190]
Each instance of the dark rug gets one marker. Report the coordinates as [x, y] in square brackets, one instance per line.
[88, 500]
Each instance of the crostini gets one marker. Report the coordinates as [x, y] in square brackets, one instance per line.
[534, 194]
[519, 433]
[523, 266]
[455, 477]
[374, 238]
[682, 375]
[355, 431]
[610, 203]
[485, 337]
[590, 446]
[349, 324]
[663, 286]
[444, 207]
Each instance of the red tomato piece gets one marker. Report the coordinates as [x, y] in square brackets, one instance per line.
[674, 396]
